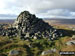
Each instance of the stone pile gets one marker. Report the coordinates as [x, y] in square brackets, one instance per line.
[9, 31]
[29, 26]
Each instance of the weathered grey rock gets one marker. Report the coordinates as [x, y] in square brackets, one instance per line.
[27, 35]
[14, 52]
[29, 23]
[72, 42]
[35, 37]
[54, 49]
[30, 45]
[47, 52]
[73, 37]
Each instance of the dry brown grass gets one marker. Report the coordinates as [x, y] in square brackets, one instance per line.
[69, 48]
[7, 45]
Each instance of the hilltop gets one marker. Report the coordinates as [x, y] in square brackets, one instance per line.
[28, 26]
[31, 36]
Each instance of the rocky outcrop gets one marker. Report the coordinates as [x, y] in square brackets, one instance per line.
[10, 31]
[28, 25]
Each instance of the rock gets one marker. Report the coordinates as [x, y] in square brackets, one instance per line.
[72, 42]
[55, 35]
[47, 52]
[73, 37]
[28, 25]
[27, 35]
[14, 52]
[34, 37]
[53, 49]
[30, 45]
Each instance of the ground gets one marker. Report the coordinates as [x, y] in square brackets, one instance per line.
[35, 47]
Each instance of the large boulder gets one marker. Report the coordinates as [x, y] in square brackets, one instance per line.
[14, 52]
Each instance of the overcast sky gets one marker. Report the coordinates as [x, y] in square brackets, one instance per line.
[42, 8]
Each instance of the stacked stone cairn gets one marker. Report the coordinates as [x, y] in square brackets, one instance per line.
[29, 26]
[10, 31]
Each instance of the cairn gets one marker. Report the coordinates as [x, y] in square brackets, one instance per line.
[30, 26]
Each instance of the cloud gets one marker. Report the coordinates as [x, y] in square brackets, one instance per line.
[42, 8]
[58, 13]
[7, 15]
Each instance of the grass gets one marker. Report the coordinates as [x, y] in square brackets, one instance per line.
[37, 46]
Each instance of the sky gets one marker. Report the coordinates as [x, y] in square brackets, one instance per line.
[10, 9]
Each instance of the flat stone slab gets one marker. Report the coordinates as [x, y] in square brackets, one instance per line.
[72, 42]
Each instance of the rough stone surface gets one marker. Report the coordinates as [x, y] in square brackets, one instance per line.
[14, 52]
[47, 52]
[73, 37]
[72, 42]
[27, 25]
[30, 26]
[9, 31]
[54, 49]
